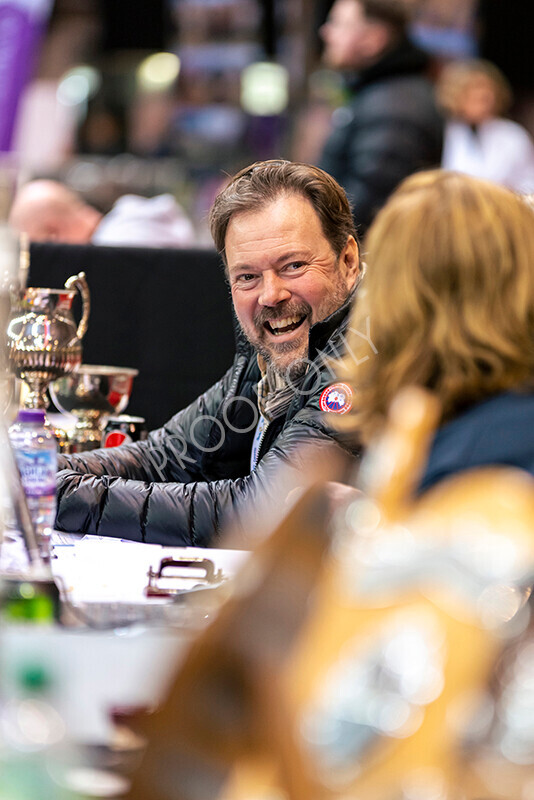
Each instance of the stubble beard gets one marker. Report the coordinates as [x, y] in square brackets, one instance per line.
[287, 359]
[290, 359]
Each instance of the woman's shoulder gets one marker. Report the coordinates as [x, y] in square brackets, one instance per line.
[498, 430]
[506, 402]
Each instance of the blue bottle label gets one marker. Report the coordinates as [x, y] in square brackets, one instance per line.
[37, 471]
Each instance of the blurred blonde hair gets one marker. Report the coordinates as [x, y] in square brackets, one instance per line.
[456, 76]
[448, 301]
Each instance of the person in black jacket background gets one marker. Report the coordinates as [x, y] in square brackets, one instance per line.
[390, 126]
[287, 238]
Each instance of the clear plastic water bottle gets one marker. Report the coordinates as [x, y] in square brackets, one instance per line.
[35, 450]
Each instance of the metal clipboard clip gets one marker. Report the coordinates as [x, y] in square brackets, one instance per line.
[209, 578]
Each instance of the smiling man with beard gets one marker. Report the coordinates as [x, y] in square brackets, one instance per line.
[286, 235]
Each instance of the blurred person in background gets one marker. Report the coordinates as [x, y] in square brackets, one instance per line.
[478, 140]
[287, 238]
[449, 293]
[48, 211]
[103, 131]
[390, 126]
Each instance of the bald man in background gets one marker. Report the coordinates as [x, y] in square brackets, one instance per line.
[48, 211]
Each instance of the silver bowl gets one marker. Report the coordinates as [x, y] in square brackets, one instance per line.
[92, 394]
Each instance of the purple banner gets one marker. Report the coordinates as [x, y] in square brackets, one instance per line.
[22, 23]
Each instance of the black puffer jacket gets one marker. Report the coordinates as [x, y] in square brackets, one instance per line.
[390, 128]
[188, 478]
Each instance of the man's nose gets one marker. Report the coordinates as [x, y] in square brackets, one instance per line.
[273, 291]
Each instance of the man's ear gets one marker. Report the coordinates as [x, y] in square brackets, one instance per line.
[350, 262]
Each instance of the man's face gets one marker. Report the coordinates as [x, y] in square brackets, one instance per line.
[284, 277]
[351, 41]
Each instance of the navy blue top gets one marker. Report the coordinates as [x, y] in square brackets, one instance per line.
[497, 431]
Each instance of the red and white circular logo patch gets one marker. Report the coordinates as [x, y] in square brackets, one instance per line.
[115, 439]
[336, 398]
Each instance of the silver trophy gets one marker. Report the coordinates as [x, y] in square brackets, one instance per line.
[92, 394]
[43, 339]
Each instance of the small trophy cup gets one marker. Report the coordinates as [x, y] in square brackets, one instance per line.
[43, 340]
[91, 394]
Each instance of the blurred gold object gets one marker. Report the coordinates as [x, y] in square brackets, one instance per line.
[360, 665]
[416, 604]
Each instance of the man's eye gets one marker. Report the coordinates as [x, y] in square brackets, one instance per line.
[245, 278]
[295, 265]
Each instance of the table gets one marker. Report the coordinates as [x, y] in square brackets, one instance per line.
[104, 664]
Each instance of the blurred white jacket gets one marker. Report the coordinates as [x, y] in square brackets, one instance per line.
[145, 222]
[498, 150]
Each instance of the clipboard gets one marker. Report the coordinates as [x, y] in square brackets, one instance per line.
[183, 570]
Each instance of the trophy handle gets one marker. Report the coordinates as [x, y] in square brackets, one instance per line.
[78, 282]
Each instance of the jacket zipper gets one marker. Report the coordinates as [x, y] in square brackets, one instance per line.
[260, 442]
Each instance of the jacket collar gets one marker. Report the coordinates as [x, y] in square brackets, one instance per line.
[403, 59]
[321, 332]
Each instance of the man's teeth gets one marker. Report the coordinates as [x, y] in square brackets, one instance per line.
[283, 323]
[279, 325]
